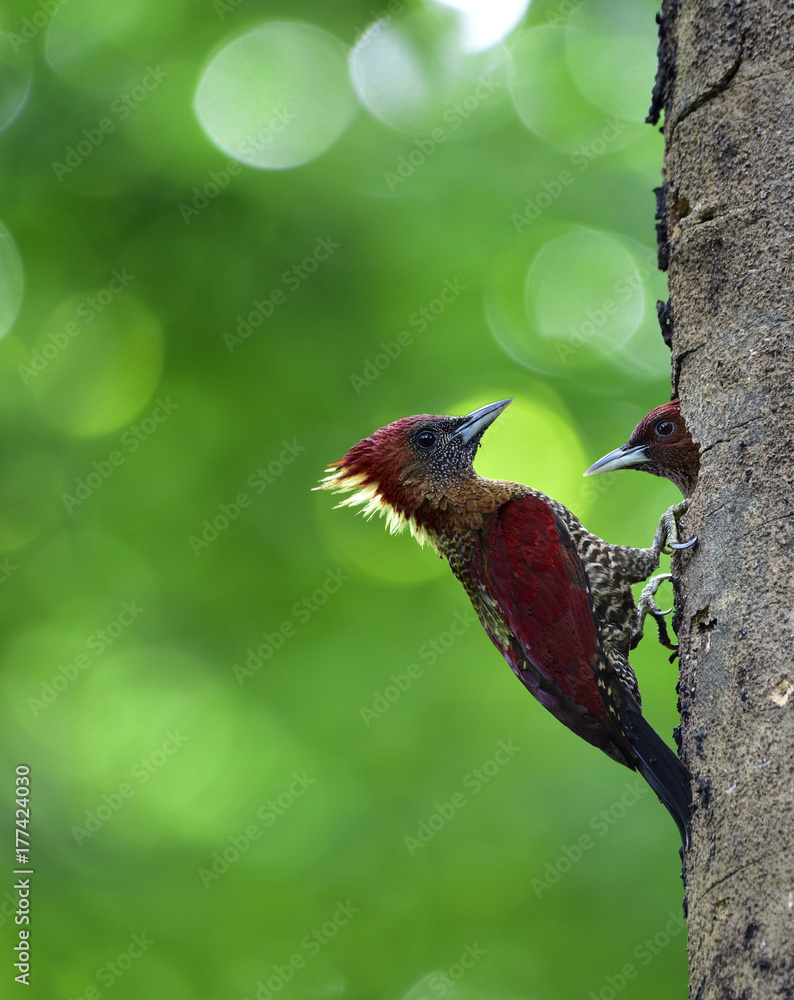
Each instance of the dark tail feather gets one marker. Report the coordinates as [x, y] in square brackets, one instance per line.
[663, 771]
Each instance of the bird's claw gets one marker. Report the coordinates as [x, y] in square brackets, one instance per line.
[667, 532]
[648, 606]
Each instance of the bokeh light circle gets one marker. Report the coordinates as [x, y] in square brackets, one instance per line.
[16, 74]
[277, 96]
[565, 301]
[96, 361]
[415, 75]
[486, 22]
[107, 48]
[645, 353]
[12, 281]
[550, 104]
[611, 54]
[584, 288]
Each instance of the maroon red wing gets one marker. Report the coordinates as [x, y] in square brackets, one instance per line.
[534, 573]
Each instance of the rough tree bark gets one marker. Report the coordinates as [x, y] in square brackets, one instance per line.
[726, 235]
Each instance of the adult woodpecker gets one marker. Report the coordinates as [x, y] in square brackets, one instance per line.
[554, 599]
[659, 444]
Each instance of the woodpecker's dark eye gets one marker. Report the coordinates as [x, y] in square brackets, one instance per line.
[665, 428]
[426, 440]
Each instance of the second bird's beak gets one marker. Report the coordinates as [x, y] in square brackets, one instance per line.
[621, 458]
[477, 421]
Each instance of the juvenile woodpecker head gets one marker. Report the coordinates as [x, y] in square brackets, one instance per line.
[660, 444]
[413, 469]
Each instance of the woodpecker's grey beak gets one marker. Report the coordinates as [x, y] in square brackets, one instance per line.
[620, 458]
[476, 422]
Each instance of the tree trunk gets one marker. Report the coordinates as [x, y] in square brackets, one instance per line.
[727, 84]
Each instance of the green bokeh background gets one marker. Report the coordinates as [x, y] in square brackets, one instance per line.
[123, 618]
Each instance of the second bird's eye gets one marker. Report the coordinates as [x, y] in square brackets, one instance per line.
[426, 439]
[665, 428]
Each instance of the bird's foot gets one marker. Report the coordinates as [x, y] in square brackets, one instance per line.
[647, 606]
[667, 532]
